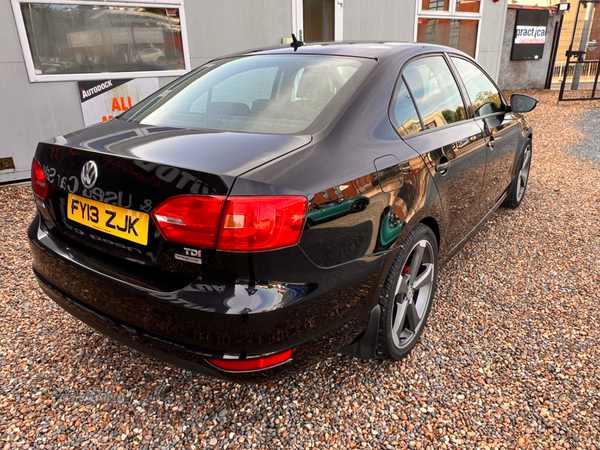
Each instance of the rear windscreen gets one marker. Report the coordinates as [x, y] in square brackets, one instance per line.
[280, 94]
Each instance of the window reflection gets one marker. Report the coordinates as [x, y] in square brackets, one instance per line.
[468, 6]
[482, 92]
[67, 39]
[435, 5]
[460, 34]
[282, 94]
[404, 114]
[435, 92]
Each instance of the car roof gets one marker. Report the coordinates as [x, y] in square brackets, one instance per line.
[374, 50]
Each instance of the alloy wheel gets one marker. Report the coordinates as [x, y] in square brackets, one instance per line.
[413, 294]
[523, 175]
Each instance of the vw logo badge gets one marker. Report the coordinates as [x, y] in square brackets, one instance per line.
[89, 174]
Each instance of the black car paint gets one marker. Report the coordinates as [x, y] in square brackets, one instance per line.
[317, 296]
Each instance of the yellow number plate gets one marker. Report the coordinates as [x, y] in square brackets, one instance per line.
[114, 220]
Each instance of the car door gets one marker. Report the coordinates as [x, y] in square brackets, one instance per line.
[499, 126]
[429, 112]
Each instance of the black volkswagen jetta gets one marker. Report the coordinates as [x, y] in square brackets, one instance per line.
[273, 207]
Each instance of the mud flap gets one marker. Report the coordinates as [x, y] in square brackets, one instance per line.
[365, 345]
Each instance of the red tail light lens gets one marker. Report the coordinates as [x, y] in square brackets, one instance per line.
[190, 219]
[39, 184]
[261, 223]
[247, 365]
[247, 223]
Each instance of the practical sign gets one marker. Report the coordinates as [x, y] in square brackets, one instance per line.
[101, 100]
[530, 34]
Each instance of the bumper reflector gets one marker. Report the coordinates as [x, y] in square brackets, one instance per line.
[247, 365]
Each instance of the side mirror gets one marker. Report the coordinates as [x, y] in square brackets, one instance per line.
[522, 103]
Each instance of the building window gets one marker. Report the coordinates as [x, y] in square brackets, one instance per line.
[81, 41]
[454, 23]
[435, 5]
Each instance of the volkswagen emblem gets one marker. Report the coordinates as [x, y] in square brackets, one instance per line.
[89, 174]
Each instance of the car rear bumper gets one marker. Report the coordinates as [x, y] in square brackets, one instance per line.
[188, 326]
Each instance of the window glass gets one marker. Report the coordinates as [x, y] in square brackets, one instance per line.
[435, 5]
[458, 33]
[468, 5]
[71, 39]
[246, 87]
[199, 105]
[346, 72]
[403, 112]
[282, 94]
[482, 92]
[435, 92]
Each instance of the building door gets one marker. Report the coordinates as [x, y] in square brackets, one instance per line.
[318, 20]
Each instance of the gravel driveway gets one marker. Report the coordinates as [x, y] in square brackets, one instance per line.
[511, 356]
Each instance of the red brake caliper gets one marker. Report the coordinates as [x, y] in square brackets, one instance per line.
[405, 270]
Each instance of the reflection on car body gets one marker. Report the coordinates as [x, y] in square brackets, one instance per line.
[336, 208]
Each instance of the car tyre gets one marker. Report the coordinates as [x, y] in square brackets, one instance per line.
[407, 294]
[516, 191]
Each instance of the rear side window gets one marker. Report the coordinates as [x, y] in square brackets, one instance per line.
[275, 94]
[482, 92]
[403, 113]
[434, 91]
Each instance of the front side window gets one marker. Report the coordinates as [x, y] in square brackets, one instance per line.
[97, 39]
[279, 94]
[482, 92]
[435, 92]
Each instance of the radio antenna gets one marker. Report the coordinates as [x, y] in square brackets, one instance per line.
[296, 43]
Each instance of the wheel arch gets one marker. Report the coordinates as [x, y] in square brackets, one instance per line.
[433, 224]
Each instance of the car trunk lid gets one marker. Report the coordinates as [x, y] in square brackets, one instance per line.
[137, 168]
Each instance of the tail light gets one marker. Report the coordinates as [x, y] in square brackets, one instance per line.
[190, 219]
[250, 365]
[261, 223]
[232, 224]
[39, 184]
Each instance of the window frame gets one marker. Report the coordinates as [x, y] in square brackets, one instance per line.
[451, 14]
[459, 83]
[28, 57]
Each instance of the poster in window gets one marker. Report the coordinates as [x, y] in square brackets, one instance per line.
[530, 34]
[102, 100]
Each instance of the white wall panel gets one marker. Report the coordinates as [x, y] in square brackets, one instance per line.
[391, 20]
[31, 112]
